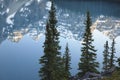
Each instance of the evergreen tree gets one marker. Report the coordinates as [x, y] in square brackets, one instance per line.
[66, 62]
[112, 54]
[46, 59]
[118, 60]
[106, 57]
[88, 57]
[51, 61]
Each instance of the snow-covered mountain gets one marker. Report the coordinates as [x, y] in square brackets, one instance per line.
[17, 15]
[108, 25]
[21, 17]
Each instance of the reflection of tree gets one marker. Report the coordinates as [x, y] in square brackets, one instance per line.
[52, 66]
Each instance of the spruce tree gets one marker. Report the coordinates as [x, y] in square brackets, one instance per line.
[51, 61]
[106, 57]
[118, 60]
[66, 62]
[88, 61]
[112, 54]
[46, 59]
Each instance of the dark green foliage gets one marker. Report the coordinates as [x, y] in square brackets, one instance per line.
[106, 57]
[66, 61]
[112, 54]
[118, 60]
[52, 65]
[109, 56]
[46, 72]
[88, 57]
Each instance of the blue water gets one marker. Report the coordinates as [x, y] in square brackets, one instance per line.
[19, 60]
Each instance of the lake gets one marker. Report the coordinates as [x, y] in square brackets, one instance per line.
[22, 33]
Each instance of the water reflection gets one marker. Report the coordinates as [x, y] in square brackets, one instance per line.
[95, 7]
[31, 18]
[28, 24]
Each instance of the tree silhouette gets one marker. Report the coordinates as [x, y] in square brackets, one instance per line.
[106, 57]
[112, 54]
[52, 65]
[88, 57]
[66, 61]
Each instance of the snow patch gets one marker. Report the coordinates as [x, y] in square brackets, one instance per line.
[7, 10]
[39, 1]
[66, 15]
[2, 13]
[3, 29]
[44, 17]
[21, 10]
[102, 16]
[8, 20]
[48, 5]
[28, 3]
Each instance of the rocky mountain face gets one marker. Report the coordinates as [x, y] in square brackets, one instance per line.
[17, 15]
[29, 17]
[108, 26]
[21, 17]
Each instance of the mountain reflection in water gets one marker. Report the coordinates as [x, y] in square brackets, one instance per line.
[22, 32]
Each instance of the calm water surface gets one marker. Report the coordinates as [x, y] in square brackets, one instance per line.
[21, 50]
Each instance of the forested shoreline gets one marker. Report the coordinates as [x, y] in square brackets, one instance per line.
[57, 67]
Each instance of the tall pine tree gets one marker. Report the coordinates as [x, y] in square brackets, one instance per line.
[88, 61]
[51, 61]
[66, 62]
[106, 57]
[112, 54]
